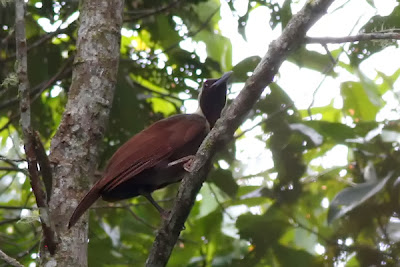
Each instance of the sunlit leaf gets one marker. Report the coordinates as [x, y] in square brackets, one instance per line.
[244, 68]
[350, 198]
[314, 136]
[358, 103]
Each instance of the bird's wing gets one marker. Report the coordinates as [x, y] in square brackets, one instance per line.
[150, 147]
[141, 152]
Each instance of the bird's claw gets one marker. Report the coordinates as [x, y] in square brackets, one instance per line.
[188, 166]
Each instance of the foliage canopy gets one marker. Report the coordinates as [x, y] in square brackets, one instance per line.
[277, 217]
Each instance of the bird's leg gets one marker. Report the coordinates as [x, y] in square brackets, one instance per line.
[164, 214]
[188, 160]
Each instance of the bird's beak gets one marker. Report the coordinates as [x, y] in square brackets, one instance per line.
[223, 80]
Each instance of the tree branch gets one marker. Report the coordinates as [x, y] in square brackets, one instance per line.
[44, 164]
[75, 146]
[9, 260]
[291, 38]
[16, 207]
[11, 169]
[151, 12]
[27, 130]
[191, 34]
[38, 89]
[354, 38]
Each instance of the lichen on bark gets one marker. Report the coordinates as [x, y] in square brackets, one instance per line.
[75, 146]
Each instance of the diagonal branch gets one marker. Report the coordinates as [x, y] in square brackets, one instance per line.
[152, 12]
[13, 262]
[291, 38]
[27, 130]
[355, 38]
[191, 34]
[44, 164]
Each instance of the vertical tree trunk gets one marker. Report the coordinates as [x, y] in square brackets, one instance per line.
[74, 148]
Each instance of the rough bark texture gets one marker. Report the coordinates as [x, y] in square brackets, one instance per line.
[74, 148]
[291, 38]
[30, 140]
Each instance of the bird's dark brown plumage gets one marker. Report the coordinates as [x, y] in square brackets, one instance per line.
[143, 163]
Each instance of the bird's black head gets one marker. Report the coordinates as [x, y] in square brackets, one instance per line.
[212, 98]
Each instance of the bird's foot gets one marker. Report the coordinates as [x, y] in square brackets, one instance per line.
[188, 166]
[188, 162]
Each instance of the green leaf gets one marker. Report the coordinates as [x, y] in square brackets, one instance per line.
[312, 60]
[224, 180]
[219, 48]
[313, 135]
[350, 198]
[359, 102]
[262, 230]
[362, 50]
[289, 257]
[332, 131]
[244, 67]
[329, 113]
[388, 81]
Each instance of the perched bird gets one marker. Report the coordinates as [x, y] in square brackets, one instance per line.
[158, 155]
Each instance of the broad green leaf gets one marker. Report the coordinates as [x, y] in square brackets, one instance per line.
[329, 113]
[243, 68]
[206, 9]
[388, 81]
[357, 102]
[224, 180]
[312, 60]
[332, 131]
[352, 197]
[219, 48]
[362, 50]
[288, 257]
[314, 136]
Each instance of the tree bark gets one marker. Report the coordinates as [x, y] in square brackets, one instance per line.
[75, 146]
[292, 38]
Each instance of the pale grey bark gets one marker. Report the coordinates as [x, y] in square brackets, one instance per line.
[74, 148]
[355, 38]
[31, 140]
[11, 261]
[291, 38]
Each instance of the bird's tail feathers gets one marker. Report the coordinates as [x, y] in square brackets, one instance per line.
[85, 204]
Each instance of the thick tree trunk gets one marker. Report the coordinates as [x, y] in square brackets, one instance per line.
[74, 148]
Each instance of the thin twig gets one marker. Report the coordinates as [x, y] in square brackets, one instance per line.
[308, 229]
[43, 39]
[10, 169]
[290, 40]
[134, 84]
[44, 163]
[151, 12]
[11, 161]
[219, 202]
[123, 206]
[39, 89]
[27, 131]
[140, 219]
[10, 120]
[13, 262]
[16, 207]
[328, 70]
[9, 36]
[355, 38]
[28, 251]
[270, 116]
[7, 221]
[202, 26]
